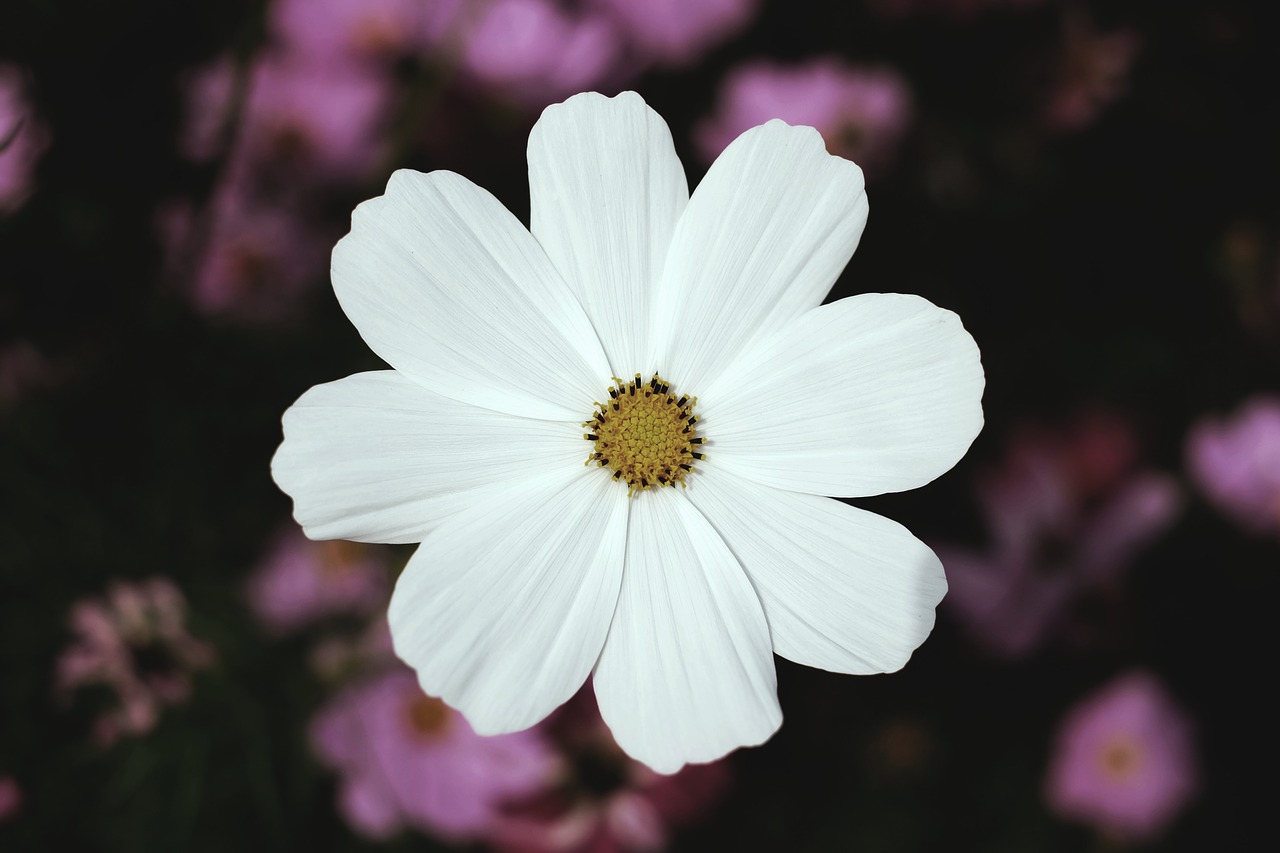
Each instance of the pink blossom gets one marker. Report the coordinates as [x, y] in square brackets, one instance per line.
[602, 801]
[860, 112]
[301, 581]
[22, 140]
[135, 642]
[335, 30]
[675, 32]
[1092, 72]
[1236, 463]
[1123, 760]
[242, 259]
[406, 759]
[1066, 515]
[301, 122]
[10, 798]
[535, 52]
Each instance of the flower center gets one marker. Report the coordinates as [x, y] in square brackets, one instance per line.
[428, 717]
[645, 434]
[1120, 758]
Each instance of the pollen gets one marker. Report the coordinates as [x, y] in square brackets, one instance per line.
[645, 433]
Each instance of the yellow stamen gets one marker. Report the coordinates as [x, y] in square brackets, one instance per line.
[646, 434]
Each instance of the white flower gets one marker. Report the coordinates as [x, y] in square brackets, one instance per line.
[536, 571]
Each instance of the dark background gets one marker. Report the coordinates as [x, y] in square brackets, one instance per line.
[1090, 266]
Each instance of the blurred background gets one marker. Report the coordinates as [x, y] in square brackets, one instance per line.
[1094, 187]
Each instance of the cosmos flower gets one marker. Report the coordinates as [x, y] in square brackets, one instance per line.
[134, 642]
[310, 121]
[861, 112]
[329, 30]
[301, 581]
[1124, 760]
[408, 760]
[1067, 512]
[696, 540]
[1236, 463]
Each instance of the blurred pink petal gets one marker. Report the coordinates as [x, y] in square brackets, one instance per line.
[10, 798]
[334, 30]
[1235, 460]
[675, 32]
[22, 139]
[1123, 760]
[1092, 72]
[242, 260]
[301, 581]
[408, 760]
[535, 52]
[862, 113]
[301, 122]
[1066, 514]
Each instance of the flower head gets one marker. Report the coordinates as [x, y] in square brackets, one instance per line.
[407, 759]
[1066, 513]
[301, 581]
[1236, 462]
[535, 570]
[1123, 760]
[136, 643]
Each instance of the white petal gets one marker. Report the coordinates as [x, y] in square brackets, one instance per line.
[504, 608]
[606, 189]
[875, 393]
[377, 458]
[449, 288]
[686, 674]
[763, 239]
[844, 589]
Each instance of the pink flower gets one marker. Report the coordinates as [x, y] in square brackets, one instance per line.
[535, 52]
[675, 32]
[1093, 71]
[406, 759]
[860, 112]
[334, 30]
[241, 259]
[136, 643]
[1236, 462]
[301, 581]
[22, 139]
[1066, 515]
[302, 122]
[1124, 760]
[603, 801]
[10, 798]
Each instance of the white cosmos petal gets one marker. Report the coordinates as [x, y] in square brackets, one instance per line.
[763, 239]
[450, 289]
[377, 458]
[606, 189]
[875, 393]
[503, 609]
[686, 674]
[844, 589]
